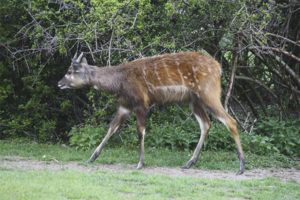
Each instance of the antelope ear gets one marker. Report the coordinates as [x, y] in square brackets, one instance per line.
[84, 60]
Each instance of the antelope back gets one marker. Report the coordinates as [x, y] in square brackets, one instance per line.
[172, 77]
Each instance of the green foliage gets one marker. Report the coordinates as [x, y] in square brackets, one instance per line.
[86, 137]
[283, 135]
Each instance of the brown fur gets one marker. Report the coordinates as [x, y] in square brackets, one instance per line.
[181, 77]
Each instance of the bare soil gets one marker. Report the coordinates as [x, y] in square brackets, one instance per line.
[14, 162]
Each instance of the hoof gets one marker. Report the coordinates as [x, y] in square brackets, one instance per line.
[188, 165]
[240, 172]
[92, 159]
[242, 166]
[140, 166]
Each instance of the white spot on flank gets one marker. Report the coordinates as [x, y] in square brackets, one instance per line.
[189, 73]
[195, 69]
[192, 84]
[195, 73]
[185, 77]
[199, 87]
[204, 74]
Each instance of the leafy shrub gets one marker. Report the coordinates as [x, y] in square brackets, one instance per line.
[285, 135]
[86, 137]
[257, 144]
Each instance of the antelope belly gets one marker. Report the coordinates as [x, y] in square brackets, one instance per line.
[170, 94]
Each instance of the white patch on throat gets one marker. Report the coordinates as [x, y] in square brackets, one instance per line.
[123, 110]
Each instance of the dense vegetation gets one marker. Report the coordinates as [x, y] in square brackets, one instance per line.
[257, 43]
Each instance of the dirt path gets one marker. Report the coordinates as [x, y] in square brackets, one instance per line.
[282, 173]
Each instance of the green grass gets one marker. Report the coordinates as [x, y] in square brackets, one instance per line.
[154, 157]
[21, 184]
[68, 184]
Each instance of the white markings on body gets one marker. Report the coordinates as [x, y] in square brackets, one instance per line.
[203, 125]
[172, 93]
[195, 69]
[156, 73]
[223, 121]
[180, 73]
[192, 84]
[168, 75]
[144, 77]
[144, 133]
[173, 87]
[123, 110]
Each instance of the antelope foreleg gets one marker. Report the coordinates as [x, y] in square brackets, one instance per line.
[114, 125]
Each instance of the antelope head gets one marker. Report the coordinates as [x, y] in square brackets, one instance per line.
[76, 76]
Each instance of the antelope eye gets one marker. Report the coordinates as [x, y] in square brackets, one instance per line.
[69, 72]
